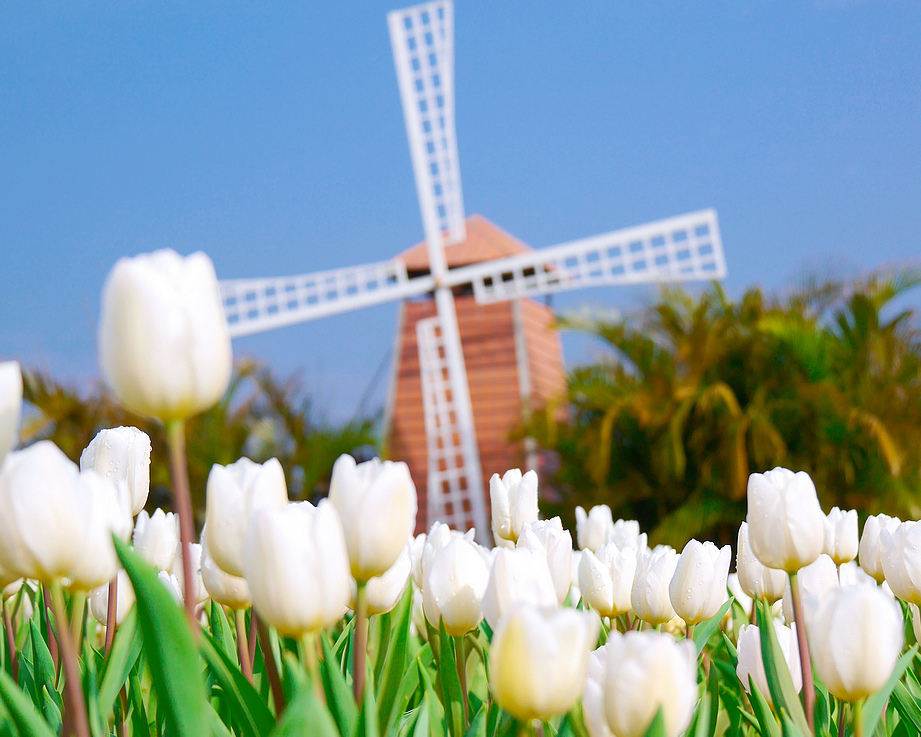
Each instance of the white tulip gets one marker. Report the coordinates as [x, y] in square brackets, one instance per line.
[755, 578]
[164, 345]
[122, 453]
[455, 586]
[383, 593]
[900, 554]
[538, 660]
[814, 581]
[698, 587]
[648, 671]
[649, 596]
[439, 536]
[855, 636]
[513, 499]
[297, 566]
[606, 579]
[625, 533]
[221, 586]
[841, 539]
[416, 548]
[376, 502]
[596, 721]
[172, 585]
[124, 600]
[751, 662]
[10, 405]
[869, 550]
[548, 538]
[517, 576]
[735, 588]
[57, 523]
[592, 528]
[786, 523]
[233, 494]
[199, 592]
[156, 538]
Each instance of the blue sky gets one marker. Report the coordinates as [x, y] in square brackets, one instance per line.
[270, 136]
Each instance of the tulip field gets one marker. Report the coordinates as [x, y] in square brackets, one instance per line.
[285, 618]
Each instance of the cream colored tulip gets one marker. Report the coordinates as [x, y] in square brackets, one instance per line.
[164, 344]
[221, 586]
[99, 600]
[841, 541]
[234, 493]
[122, 453]
[538, 660]
[869, 548]
[548, 538]
[814, 581]
[606, 579]
[900, 554]
[376, 502]
[383, 593]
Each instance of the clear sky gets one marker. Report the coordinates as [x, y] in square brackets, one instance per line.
[270, 135]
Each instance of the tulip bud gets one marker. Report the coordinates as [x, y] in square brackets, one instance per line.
[164, 345]
[122, 454]
[592, 529]
[57, 523]
[383, 593]
[606, 579]
[517, 576]
[297, 566]
[814, 581]
[786, 524]
[538, 660]
[841, 535]
[376, 502]
[439, 536]
[453, 592]
[548, 538]
[738, 593]
[234, 493]
[514, 503]
[756, 579]
[751, 662]
[625, 533]
[648, 671]
[156, 538]
[10, 405]
[99, 600]
[222, 587]
[649, 596]
[868, 550]
[855, 636]
[900, 553]
[698, 587]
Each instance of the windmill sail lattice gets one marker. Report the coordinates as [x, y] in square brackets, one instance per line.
[687, 247]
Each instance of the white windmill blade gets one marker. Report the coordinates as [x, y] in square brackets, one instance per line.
[257, 305]
[682, 248]
[422, 38]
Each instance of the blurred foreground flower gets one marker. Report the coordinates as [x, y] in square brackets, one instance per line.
[10, 405]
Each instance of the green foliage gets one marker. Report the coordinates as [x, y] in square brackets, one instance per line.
[699, 392]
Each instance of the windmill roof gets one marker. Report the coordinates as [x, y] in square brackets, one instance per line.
[485, 241]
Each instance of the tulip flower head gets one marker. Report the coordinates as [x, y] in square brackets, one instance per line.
[10, 405]
[814, 581]
[606, 578]
[649, 597]
[156, 537]
[513, 498]
[453, 592]
[122, 453]
[384, 592]
[900, 554]
[698, 588]
[538, 660]
[99, 600]
[376, 502]
[869, 548]
[221, 586]
[517, 577]
[785, 521]
[592, 528]
[841, 539]
[164, 345]
[756, 579]
[548, 538]
[751, 662]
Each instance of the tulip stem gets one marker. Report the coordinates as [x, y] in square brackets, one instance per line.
[182, 499]
[76, 706]
[49, 634]
[111, 614]
[360, 649]
[77, 619]
[689, 633]
[253, 635]
[804, 659]
[11, 643]
[857, 716]
[246, 665]
[309, 654]
[271, 669]
[461, 658]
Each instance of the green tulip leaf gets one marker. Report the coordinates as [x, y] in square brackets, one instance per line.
[220, 630]
[907, 706]
[22, 711]
[453, 699]
[305, 715]
[121, 659]
[766, 721]
[395, 661]
[248, 708]
[705, 629]
[656, 728]
[43, 672]
[779, 681]
[367, 717]
[168, 648]
[876, 703]
[339, 696]
[409, 685]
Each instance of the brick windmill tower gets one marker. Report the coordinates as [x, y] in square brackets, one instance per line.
[513, 358]
[469, 284]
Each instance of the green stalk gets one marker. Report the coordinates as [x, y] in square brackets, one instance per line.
[246, 665]
[309, 654]
[76, 706]
[360, 645]
[461, 661]
[111, 613]
[271, 667]
[182, 500]
[804, 659]
[857, 715]
[11, 642]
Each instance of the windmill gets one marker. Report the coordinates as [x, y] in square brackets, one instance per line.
[682, 248]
